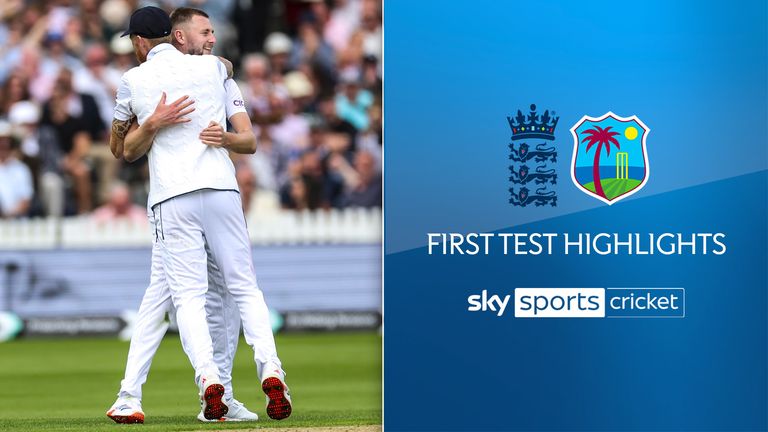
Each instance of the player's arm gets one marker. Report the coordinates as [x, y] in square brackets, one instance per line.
[120, 129]
[139, 141]
[123, 120]
[241, 140]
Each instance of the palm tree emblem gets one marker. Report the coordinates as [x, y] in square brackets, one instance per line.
[592, 164]
[603, 138]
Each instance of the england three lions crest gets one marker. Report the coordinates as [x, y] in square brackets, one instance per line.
[610, 160]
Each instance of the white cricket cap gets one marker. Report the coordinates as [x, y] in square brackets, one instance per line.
[120, 45]
[277, 43]
[24, 112]
[115, 12]
[298, 85]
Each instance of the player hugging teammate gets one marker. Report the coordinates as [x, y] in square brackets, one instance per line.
[201, 254]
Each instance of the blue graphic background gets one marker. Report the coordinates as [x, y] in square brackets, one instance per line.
[693, 71]
[697, 74]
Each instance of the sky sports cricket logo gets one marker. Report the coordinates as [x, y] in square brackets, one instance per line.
[609, 162]
[583, 303]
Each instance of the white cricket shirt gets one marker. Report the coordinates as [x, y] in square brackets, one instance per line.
[178, 161]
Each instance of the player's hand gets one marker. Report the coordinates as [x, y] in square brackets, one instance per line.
[171, 114]
[228, 66]
[213, 135]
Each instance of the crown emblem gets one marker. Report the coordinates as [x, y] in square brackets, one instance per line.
[533, 125]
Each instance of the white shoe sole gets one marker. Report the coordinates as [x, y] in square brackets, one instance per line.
[135, 417]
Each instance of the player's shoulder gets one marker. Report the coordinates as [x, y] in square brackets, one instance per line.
[130, 76]
[205, 64]
[201, 59]
[131, 72]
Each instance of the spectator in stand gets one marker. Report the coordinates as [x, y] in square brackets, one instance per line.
[114, 15]
[369, 140]
[362, 183]
[16, 89]
[41, 152]
[266, 103]
[16, 188]
[352, 102]
[293, 192]
[293, 130]
[311, 50]
[100, 83]
[18, 47]
[11, 30]
[66, 114]
[370, 20]
[371, 80]
[123, 57]
[263, 97]
[294, 195]
[255, 81]
[246, 182]
[119, 207]
[365, 189]
[314, 178]
[80, 105]
[269, 163]
[278, 47]
[74, 37]
[55, 58]
[93, 27]
[329, 116]
[341, 24]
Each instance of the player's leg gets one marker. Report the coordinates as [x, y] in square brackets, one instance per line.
[224, 324]
[230, 247]
[179, 221]
[233, 329]
[148, 331]
[219, 324]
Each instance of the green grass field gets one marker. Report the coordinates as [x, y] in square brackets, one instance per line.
[614, 187]
[68, 384]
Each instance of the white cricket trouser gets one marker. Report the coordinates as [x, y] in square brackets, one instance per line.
[187, 223]
[150, 325]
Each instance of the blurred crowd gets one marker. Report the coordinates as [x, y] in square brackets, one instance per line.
[310, 74]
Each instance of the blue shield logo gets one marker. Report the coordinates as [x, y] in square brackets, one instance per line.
[610, 160]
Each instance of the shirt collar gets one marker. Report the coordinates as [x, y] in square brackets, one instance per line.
[159, 48]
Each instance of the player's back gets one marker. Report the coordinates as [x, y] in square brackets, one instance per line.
[179, 162]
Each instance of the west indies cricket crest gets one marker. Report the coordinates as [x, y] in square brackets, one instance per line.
[610, 160]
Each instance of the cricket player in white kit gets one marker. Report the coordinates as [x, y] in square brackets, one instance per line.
[194, 201]
[192, 33]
